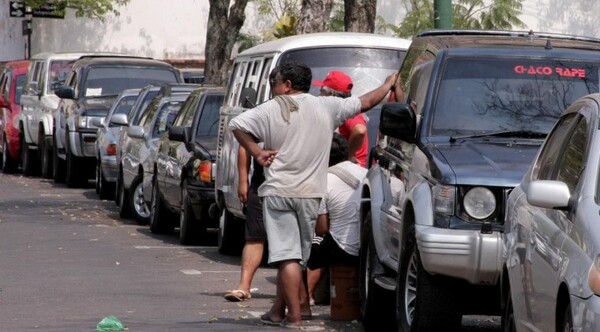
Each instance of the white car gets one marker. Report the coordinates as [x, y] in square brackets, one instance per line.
[551, 238]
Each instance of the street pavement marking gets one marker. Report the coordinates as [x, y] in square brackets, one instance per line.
[172, 247]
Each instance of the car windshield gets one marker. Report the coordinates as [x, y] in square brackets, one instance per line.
[480, 96]
[368, 67]
[59, 69]
[109, 81]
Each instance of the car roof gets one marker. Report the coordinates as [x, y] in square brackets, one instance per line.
[482, 39]
[18, 64]
[130, 92]
[67, 55]
[321, 39]
[210, 90]
[120, 60]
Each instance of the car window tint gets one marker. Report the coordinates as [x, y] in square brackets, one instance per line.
[552, 149]
[208, 124]
[165, 117]
[480, 95]
[20, 84]
[143, 104]
[186, 114]
[571, 164]
[58, 71]
[125, 104]
[108, 81]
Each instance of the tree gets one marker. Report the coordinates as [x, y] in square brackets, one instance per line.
[223, 28]
[466, 14]
[360, 15]
[95, 9]
[314, 16]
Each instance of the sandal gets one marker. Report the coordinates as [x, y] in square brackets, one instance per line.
[237, 295]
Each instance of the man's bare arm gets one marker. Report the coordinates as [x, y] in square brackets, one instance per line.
[370, 99]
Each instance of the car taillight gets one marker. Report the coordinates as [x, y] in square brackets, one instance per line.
[111, 150]
[205, 171]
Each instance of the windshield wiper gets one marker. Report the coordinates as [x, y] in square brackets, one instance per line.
[504, 133]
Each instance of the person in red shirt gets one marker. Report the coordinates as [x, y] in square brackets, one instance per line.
[339, 84]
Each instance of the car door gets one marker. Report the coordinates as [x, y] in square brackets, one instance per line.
[31, 109]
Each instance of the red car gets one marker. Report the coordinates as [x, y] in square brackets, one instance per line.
[12, 82]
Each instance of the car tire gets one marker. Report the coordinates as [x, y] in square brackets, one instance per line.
[508, 315]
[231, 236]
[373, 298]
[74, 165]
[566, 323]
[9, 164]
[139, 208]
[45, 157]
[190, 227]
[58, 165]
[27, 158]
[430, 299]
[105, 189]
[124, 202]
[159, 216]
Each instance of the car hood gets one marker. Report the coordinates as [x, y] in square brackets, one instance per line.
[482, 162]
[96, 106]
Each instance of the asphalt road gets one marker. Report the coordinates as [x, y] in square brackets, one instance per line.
[67, 261]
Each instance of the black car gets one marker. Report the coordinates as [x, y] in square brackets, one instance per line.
[184, 181]
[89, 91]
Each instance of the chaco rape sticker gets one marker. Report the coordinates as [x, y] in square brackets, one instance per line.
[550, 70]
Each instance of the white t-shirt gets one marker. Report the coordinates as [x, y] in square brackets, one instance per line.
[342, 202]
[302, 144]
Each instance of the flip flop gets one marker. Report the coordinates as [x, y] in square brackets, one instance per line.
[267, 320]
[237, 295]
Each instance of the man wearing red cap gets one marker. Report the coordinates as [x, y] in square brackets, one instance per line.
[338, 84]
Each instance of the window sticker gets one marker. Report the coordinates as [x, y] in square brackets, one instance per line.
[93, 92]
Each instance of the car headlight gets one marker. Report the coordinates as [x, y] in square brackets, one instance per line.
[81, 121]
[479, 202]
[443, 199]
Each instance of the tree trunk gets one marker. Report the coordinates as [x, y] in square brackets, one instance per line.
[224, 24]
[314, 16]
[360, 15]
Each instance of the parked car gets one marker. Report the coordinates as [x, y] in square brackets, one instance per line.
[193, 75]
[12, 82]
[551, 234]
[47, 72]
[90, 89]
[472, 110]
[367, 58]
[184, 182]
[106, 143]
[134, 158]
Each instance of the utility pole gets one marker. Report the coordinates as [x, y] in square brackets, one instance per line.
[442, 14]
[27, 29]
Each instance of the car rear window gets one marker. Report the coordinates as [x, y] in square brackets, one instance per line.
[488, 95]
[368, 67]
[108, 81]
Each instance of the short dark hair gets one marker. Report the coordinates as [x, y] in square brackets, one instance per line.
[339, 149]
[298, 74]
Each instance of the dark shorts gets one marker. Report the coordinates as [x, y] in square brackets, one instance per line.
[326, 252]
[255, 227]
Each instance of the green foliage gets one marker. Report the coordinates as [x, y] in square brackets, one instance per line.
[466, 14]
[285, 27]
[279, 8]
[246, 41]
[95, 9]
[336, 24]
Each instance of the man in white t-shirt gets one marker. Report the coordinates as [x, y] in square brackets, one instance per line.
[337, 227]
[296, 129]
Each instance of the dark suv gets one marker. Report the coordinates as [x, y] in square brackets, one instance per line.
[89, 91]
[472, 109]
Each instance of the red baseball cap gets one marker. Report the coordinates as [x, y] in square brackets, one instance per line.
[337, 81]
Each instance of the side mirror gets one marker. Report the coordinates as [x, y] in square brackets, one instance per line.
[118, 120]
[96, 122]
[549, 194]
[65, 92]
[136, 132]
[248, 98]
[33, 89]
[398, 121]
[179, 134]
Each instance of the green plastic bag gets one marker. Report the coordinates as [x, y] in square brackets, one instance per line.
[110, 323]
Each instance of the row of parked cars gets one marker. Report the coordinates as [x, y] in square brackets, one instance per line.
[483, 181]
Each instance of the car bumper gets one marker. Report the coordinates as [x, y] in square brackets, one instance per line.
[202, 199]
[109, 168]
[586, 313]
[465, 254]
[85, 143]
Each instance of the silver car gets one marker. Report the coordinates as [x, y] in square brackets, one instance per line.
[552, 233]
[106, 143]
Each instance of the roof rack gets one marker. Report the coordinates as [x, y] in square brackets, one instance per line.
[506, 33]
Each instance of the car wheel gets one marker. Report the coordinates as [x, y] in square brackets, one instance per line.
[58, 165]
[231, 238]
[425, 302]
[9, 165]
[508, 316]
[45, 157]
[373, 298]
[159, 223]
[140, 209]
[124, 202]
[27, 162]
[190, 228]
[567, 320]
